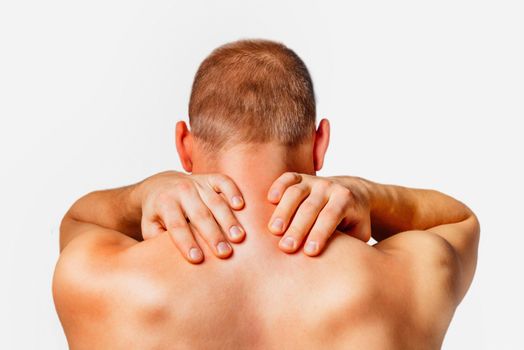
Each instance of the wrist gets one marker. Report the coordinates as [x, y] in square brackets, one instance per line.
[370, 190]
[360, 187]
[132, 202]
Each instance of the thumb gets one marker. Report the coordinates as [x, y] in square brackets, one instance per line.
[361, 230]
[151, 228]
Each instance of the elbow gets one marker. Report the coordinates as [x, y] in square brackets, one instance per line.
[66, 231]
[63, 231]
[472, 227]
[469, 252]
[474, 230]
[68, 221]
[476, 225]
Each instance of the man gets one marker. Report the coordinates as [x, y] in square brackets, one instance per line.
[213, 260]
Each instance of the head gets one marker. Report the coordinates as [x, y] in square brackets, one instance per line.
[252, 102]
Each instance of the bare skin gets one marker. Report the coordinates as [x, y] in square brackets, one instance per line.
[113, 291]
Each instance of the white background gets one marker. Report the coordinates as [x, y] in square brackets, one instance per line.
[423, 94]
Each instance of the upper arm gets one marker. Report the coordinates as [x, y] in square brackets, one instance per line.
[463, 237]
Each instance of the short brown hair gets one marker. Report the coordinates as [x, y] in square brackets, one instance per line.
[252, 91]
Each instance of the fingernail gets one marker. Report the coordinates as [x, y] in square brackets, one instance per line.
[236, 201]
[311, 247]
[273, 195]
[277, 224]
[223, 248]
[195, 254]
[288, 242]
[235, 232]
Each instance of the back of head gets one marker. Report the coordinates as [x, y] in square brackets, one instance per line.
[252, 91]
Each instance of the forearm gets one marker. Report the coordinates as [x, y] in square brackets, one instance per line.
[395, 209]
[117, 209]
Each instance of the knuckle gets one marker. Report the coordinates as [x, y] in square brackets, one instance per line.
[202, 214]
[322, 184]
[183, 186]
[310, 205]
[216, 201]
[341, 202]
[290, 176]
[163, 197]
[220, 179]
[224, 177]
[177, 224]
[333, 210]
[343, 191]
[213, 235]
[163, 206]
[180, 236]
[296, 191]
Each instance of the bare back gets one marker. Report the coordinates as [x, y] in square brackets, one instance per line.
[146, 296]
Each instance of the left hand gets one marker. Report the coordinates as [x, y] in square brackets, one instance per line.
[316, 207]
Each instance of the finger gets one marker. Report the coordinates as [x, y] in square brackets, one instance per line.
[224, 216]
[287, 206]
[150, 227]
[203, 220]
[361, 230]
[326, 224]
[179, 231]
[302, 222]
[280, 185]
[225, 185]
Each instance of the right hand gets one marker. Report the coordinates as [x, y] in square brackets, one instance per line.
[174, 201]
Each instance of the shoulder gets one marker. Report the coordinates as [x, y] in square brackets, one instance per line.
[101, 284]
[425, 248]
[91, 254]
[98, 272]
[84, 273]
[432, 270]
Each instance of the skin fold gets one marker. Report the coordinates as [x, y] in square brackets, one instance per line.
[126, 278]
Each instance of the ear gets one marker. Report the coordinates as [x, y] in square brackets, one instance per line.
[321, 143]
[184, 145]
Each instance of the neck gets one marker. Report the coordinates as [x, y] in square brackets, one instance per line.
[254, 168]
